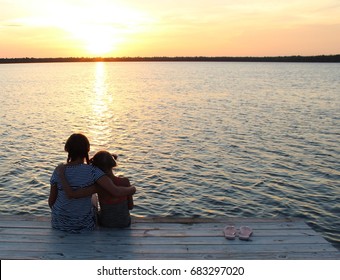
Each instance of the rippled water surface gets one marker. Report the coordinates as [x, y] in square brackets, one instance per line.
[198, 139]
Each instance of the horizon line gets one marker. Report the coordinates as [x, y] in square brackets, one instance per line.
[287, 58]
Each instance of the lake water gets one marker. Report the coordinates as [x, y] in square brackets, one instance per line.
[198, 139]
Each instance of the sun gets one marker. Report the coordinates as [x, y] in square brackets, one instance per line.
[101, 29]
[99, 47]
[100, 43]
[96, 39]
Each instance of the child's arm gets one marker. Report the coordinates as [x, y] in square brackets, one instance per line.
[130, 202]
[122, 181]
[53, 195]
[129, 197]
[70, 193]
[107, 184]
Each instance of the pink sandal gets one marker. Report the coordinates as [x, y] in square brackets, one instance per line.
[245, 233]
[229, 232]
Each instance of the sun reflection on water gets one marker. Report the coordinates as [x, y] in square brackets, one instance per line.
[100, 107]
[101, 116]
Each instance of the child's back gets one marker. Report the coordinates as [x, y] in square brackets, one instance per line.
[114, 211]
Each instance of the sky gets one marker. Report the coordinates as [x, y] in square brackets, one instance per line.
[117, 28]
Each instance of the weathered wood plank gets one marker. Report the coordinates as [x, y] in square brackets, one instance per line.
[158, 232]
[163, 238]
[91, 250]
[26, 244]
[29, 255]
[153, 233]
[142, 224]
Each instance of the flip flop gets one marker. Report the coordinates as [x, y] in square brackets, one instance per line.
[245, 233]
[229, 232]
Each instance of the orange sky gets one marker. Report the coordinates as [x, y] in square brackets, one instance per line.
[64, 28]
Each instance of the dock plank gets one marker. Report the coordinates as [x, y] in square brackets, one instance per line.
[25, 237]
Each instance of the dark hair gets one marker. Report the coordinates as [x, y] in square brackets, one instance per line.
[104, 160]
[77, 146]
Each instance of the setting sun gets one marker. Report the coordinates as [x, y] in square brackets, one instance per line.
[99, 30]
[91, 29]
[97, 39]
[100, 46]
[67, 28]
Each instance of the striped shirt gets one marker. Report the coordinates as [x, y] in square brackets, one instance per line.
[75, 215]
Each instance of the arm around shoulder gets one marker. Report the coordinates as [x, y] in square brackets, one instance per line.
[78, 193]
[106, 183]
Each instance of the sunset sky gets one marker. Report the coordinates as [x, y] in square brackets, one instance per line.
[64, 28]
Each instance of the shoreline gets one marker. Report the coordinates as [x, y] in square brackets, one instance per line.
[295, 58]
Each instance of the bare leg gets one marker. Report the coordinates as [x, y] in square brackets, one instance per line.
[95, 202]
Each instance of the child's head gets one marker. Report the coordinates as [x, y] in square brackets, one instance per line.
[104, 160]
[78, 147]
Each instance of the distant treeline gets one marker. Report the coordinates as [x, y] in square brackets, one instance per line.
[297, 58]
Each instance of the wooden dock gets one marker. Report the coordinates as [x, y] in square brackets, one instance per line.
[23, 237]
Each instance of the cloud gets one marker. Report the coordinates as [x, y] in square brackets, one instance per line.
[10, 25]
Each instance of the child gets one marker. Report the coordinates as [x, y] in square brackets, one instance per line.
[114, 211]
[77, 215]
